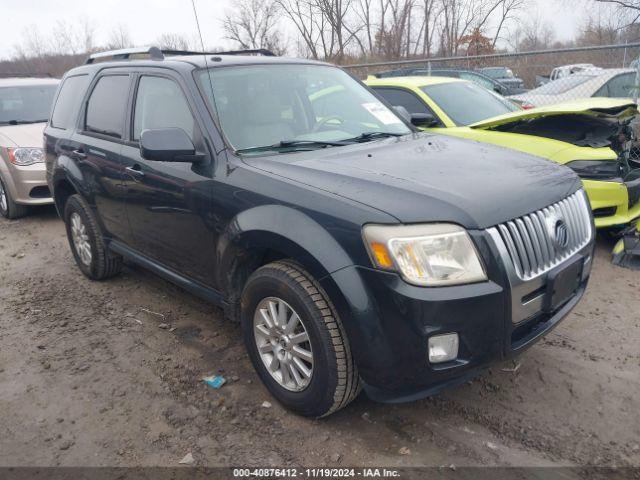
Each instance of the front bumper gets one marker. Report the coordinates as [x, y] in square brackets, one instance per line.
[614, 204]
[388, 322]
[26, 185]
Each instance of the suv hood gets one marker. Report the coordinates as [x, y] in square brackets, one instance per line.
[27, 135]
[430, 178]
[595, 107]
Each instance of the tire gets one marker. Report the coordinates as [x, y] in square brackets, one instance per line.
[8, 208]
[334, 380]
[90, 253]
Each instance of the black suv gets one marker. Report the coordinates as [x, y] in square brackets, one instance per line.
[355, 251]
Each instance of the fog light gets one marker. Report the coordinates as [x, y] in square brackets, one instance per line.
[443, 348]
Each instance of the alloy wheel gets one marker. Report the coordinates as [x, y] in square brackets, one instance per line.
[283, 344]
[80, 239]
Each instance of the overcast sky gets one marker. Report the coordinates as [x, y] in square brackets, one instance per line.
[148, 19]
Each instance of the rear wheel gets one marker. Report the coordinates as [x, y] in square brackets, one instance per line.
[8, 208]
[296, 341]
[86, 241]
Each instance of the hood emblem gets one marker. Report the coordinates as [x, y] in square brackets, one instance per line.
[558, 230]
[561, 234]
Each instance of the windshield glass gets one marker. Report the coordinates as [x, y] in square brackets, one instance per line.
[466, 103]
[561, 85]
[264, 105]
[26, 103]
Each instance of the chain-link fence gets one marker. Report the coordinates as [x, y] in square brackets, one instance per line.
[545, 77]
[535, 79]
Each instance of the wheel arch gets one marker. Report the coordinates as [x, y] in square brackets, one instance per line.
[67, 179]
[265, 234]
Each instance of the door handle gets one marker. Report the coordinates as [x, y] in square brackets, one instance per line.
[135, 171]
[78, 154]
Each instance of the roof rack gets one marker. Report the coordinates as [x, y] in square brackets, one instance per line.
[255, 51]
[156, 53]
[124, 54]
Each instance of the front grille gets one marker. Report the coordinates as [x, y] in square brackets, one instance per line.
[537, 242]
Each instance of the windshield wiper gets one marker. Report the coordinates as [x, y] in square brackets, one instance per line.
[21, 122]
[283, 144]
[367, 136]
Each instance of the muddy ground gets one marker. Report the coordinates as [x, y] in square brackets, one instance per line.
[87, 377]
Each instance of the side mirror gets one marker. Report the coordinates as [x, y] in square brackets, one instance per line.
[168, 145]
[424, 120]
[403, 112]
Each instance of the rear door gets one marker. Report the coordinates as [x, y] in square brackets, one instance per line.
[57, 135]
[97, 146]
[169, 203]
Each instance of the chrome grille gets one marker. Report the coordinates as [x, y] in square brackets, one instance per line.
[539, 241]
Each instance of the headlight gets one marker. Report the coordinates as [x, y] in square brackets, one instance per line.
[426, 255]
[25, 156]
[596, 169]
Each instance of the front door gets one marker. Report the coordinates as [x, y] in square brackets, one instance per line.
[169, 203]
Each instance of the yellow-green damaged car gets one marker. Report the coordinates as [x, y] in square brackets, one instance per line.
[592, 136]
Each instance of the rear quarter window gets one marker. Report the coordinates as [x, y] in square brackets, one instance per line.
[68, 102]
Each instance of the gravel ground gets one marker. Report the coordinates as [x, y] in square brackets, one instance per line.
[89, 378]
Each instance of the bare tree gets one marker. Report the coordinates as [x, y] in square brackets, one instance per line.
[364, 12]
[431, 14]
[119, 37]
[72, 37]
[173, 41]
[395, 28]
[508, 11]
[534, 35]
[254, 24]
[302, 14]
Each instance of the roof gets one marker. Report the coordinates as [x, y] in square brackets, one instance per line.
[412, 81]
[225, 60]
[27, 81]
[189, 62]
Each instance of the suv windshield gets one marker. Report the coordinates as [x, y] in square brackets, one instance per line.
[466, 103]
[26, 104]
[295, 106]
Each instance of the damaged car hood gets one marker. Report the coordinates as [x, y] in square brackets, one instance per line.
[590, 122]
[430, 178]
[606, 108]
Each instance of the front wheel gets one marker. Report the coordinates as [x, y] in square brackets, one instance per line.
[296, 341]
[8, 208]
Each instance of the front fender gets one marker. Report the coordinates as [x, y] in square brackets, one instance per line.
[282, 229]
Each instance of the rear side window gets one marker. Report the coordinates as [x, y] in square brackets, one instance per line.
[106, 106]
[71, 93]
[160, 103]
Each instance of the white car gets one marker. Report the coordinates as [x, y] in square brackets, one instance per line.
[566, 70]
[611, 82]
